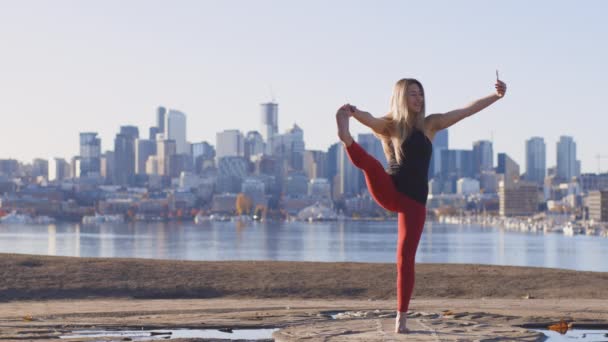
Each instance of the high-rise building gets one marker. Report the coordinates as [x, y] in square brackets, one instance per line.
[90, 154]
[153, 132]
[203, 155]
[332, 165]
[164, 150]
[483, 157]
[290, 147]
[597, 204]
[254, 144]
[9, 167]
[518, 199]
[229, 143]
[40, 168]
[508, 168]
[270, 123]
[161, 113]
[455, 164]
[593, 181]
[144, 148]
[124, 155]
[315, 164]
[440, 143]
[175, 129]
[346, 181]
[107, 166]
[536, 164]
[566, 158]
[59, 169]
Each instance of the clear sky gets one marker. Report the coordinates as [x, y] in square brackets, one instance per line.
[73, 66]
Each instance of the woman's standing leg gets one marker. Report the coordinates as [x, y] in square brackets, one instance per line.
[410, 224]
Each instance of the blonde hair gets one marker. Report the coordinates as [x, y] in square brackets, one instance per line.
[400, 121]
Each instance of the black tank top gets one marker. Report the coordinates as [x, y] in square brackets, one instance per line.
[411, 176]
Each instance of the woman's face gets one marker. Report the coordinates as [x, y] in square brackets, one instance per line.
[415, 98]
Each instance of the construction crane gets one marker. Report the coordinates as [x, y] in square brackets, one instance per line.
[599, 157]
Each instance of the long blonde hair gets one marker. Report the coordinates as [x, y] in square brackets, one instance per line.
[400, 121]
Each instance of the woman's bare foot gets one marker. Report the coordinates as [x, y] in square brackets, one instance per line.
[342, 117]
[400, 322]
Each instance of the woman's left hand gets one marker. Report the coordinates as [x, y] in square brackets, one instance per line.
[501, 88]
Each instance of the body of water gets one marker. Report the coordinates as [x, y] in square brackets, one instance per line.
[356, 241]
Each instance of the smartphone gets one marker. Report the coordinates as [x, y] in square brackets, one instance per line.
[497, 78]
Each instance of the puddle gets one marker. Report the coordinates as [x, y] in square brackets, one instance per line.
[162, 334]
[587, 335]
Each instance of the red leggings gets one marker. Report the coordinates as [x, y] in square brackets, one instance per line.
[411, 216]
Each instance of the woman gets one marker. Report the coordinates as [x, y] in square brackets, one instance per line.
[406, 136]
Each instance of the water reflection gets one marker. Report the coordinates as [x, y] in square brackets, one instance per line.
[333, 241]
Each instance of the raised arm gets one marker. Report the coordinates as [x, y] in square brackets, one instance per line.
[378, 125]
[438, 122]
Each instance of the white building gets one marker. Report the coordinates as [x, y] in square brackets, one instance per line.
[175, 129]
[229, 143]
[270, 123]
[467, 186]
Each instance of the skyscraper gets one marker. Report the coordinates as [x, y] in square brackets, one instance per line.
[175, 129]
[164, 150]
[124, 155]
[203, 155]
[508, 168]
[90, 154]
[144, 148]
[346, 182]
[229, 143]
[59, 169]
[290, 147]
[455, 164]
[536, 167]
[315, 164]
[483, 157]
[270, 123]
[566, 159]
[254, 144]
[440, 143]
[161, 112]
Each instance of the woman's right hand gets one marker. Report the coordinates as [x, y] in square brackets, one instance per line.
[350, 109]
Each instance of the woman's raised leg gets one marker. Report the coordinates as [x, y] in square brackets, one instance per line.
[379, 183]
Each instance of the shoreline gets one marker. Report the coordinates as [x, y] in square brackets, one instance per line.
[45, 297]
[52, 277]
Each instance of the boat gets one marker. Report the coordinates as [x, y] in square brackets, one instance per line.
[317, 212]
[97, 219]
[15, 218]
[572, 229]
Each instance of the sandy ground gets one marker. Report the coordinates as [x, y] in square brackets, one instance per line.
[42, 298]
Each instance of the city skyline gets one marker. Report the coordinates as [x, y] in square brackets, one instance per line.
[72, 68]
[481, 160]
